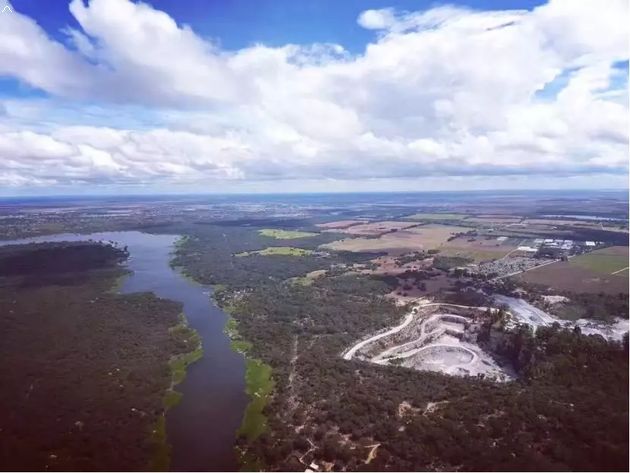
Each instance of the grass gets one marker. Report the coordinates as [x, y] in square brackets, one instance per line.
[259, 385]
[601, 261]
[285, 234]
[436, 216]
[162, 458]
[278, 251]
[177, 365]
[309, 278]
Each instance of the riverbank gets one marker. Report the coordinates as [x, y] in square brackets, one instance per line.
[178, 365]
[259, 385]
[201, 428]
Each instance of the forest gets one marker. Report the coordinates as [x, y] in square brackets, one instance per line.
[567, 411]
[85, 370]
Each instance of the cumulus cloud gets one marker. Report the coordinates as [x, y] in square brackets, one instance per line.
[444, 92]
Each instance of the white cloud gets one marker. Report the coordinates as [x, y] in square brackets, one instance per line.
[443, 92]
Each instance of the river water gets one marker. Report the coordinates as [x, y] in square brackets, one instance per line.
[202, 427]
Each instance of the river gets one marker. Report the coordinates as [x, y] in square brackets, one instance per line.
[202, 427]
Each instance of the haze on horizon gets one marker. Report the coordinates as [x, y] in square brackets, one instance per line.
[114, 96]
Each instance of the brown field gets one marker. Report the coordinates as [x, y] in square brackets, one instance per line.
[480, 249]
[377, 228]
[339, 224]
[412, 239]
[493, 219]
[387, 266]
[567, 276]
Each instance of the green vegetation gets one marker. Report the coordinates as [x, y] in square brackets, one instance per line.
[334, 409]
[238, 344]
[285, 234]
[94, 359]
[448, 262]
[259, 385]
[602, 262]
[178, 364]
[278, 250]
[162, 456]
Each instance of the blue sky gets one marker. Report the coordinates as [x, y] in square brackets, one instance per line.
[240, 23]
[237, 96]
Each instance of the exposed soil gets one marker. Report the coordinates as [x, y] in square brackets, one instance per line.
[432, 337]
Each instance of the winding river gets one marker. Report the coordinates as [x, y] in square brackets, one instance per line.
[202, 427]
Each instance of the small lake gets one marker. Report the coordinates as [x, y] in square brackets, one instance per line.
[202, 427]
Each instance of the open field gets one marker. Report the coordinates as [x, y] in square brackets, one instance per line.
[490, 219]
[339, 224]
[606, 261]
[376, 228]
[309, 278]
[581, 276]
[437, 216]
[480, 249]
[285, 234]
[277, 250]
[396, 243]
[259, 385]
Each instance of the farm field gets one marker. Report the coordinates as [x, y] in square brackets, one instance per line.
[285, 234]
[493, 219]
[606, 261]
[377, 228]
[576, 277]
[480, 249]
[412, 239]
[437, 216]
[339, 224]
[277, 250]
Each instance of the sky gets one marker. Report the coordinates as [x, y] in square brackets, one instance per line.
[171, 96]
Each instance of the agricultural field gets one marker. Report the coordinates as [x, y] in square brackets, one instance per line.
[285, 234]
[479, 248]
[339, 224]
[376, 228]
[493, 219]
[590, 273]
[400, 242]
[611, 260]
[277, 251]
[437, 216]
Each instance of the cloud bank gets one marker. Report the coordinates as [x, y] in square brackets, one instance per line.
[443, 92]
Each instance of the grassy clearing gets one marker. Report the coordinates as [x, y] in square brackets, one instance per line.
[309, 278]
[437, 216]
[259, 385]
[237, 343]
[606, 261]
[285, 234]
[278, 251]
